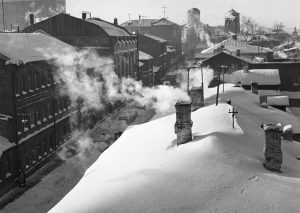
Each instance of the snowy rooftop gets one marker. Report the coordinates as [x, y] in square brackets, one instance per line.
[278, 100]
[27, 47]
[4, 144]
[232, 45]
[219, 171]
[109, 28]
[260, 76]
[144, 56]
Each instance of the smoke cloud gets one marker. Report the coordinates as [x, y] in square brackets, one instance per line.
[91, 81]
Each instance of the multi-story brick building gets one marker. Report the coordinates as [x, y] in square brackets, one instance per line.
[34, 115]
[107, 39]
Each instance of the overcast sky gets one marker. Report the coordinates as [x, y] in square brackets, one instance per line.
[266, 12]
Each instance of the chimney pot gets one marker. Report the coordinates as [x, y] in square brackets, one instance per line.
[115, 21]
[183, 125]
[31, 18]
[272, 147]
[83, 16]
[254, 88]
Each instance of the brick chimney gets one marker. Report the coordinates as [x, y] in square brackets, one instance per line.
[115, 21]
[31, 18]
[83, 15]
[254, 88]
[263, 101]
[272, 147]
[183, 125]
[238, 52]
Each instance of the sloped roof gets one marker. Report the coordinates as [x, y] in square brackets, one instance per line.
[225, 53]
[109, 28]
[141, 22]
[144, 56]
[164, 21]
[233, 45]
[161, 40]
[27, 47]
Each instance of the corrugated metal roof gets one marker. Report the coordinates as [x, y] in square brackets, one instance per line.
[109, 28]
[27, 47]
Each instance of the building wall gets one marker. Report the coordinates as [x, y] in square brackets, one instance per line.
[83, 34]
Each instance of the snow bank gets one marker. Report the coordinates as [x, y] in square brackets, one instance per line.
[220, 170]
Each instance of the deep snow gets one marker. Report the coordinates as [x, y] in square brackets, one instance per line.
[219, 171]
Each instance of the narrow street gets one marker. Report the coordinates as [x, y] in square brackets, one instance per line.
[51, 183]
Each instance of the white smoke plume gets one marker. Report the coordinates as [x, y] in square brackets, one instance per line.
[91, 80]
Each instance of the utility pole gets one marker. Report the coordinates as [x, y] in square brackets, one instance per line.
[224, 68]
[233, 112]
[3, 16]
[164, 7]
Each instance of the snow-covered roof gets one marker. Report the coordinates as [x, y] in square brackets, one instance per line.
[268, 92]
[109, 28]
[278, 100]
[161, 40]
[144, 170]
[233, 45]
[144, 56]
[4, 144]
[27, 47]
[260, 76]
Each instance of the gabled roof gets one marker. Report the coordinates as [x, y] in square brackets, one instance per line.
[161, 40]
[231, 55]
[164, 21]
[109, 28]
[20, 48]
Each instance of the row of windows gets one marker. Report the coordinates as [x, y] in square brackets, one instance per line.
[36, 114]
[28, 82]
[125, 66]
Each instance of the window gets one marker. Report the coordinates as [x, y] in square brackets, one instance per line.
[296, 82]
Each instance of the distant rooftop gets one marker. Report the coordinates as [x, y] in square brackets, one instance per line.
[161, 40]
[109, 28]
[147, 22]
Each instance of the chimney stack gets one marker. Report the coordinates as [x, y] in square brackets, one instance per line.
[254, 88]
[272, 147]
[83, 15]
[238, 52]
[183, 125]
[263, 101]
[115, 21]
[31, 18]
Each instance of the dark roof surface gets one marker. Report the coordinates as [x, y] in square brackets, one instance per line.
[161, 40]
[109, 28]
[148, 22]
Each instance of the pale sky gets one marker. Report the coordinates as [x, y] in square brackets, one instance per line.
[265, 12]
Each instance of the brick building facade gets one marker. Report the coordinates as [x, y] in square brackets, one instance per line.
[106, 38]
[35, 116]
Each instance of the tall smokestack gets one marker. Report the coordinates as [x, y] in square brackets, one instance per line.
[183, 125]
[31, 18]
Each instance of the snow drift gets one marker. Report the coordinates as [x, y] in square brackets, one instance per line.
[219, 171]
